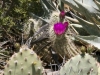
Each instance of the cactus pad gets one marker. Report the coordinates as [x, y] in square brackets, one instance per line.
[80, 65]
[25, 62]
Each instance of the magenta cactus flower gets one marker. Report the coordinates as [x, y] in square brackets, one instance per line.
[60, 28]
[62, 14]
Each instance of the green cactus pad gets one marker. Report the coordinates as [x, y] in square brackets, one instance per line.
[99, 70]
[25, 62]
[80, 65]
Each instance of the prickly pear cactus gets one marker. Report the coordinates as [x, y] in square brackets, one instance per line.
[25, 62]
[83, 64]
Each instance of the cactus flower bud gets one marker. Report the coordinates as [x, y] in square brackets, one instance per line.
[60, 28]
[62, 14]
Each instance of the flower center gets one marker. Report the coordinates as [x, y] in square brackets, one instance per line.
[60, 28]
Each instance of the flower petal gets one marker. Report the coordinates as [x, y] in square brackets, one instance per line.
[60, 28]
